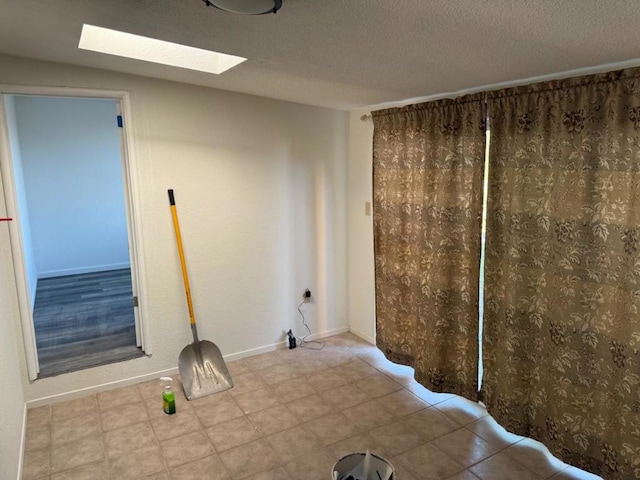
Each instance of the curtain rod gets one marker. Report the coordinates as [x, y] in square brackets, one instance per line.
[576, 72]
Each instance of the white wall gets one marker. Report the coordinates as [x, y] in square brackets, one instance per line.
[73, 178]
[25, 228]
[261, 191]
[360, 252]
[11, 376]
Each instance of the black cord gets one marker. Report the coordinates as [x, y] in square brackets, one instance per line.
[303, 340]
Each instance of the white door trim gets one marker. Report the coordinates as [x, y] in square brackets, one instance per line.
[143, 335]
[132, 202]
[17, 251]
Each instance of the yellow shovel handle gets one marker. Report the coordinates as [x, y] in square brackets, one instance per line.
[183, 264]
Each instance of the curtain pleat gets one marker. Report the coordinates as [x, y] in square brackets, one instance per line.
[427, 192]
[562, 282]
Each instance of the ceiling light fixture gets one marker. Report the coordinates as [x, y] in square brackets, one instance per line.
[113, 42]
[246, 7]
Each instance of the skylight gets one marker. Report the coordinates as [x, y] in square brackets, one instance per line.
[113, 42]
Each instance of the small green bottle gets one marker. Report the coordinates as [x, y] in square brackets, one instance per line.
[168, 397]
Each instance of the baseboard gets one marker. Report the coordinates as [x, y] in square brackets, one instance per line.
[283, 344]
[363, 336]
[328, 333]
[23, 442]
[81, 270]
[255, 351]
[63, 397]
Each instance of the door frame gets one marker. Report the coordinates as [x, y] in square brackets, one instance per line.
[132, 205]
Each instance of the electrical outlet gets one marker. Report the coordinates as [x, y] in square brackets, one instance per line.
[307, 295]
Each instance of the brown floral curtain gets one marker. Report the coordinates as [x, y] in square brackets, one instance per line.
[562, 284]
[427, 192]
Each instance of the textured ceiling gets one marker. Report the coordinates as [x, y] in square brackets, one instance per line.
[344, 53]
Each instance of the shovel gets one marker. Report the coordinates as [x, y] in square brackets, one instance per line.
[201, 365]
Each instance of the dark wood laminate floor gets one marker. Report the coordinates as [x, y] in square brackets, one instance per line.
[86, 320]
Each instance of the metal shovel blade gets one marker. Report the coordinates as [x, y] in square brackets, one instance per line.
[203, 370]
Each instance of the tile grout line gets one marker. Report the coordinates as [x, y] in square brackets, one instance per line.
[153, 429]
[50, 439]
[107, 462]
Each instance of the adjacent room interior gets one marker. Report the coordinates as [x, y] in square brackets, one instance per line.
[434, 203]
[69, 180]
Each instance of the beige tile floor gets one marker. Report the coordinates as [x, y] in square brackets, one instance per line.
[291, 415]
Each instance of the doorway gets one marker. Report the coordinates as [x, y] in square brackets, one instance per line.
[74, 244]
